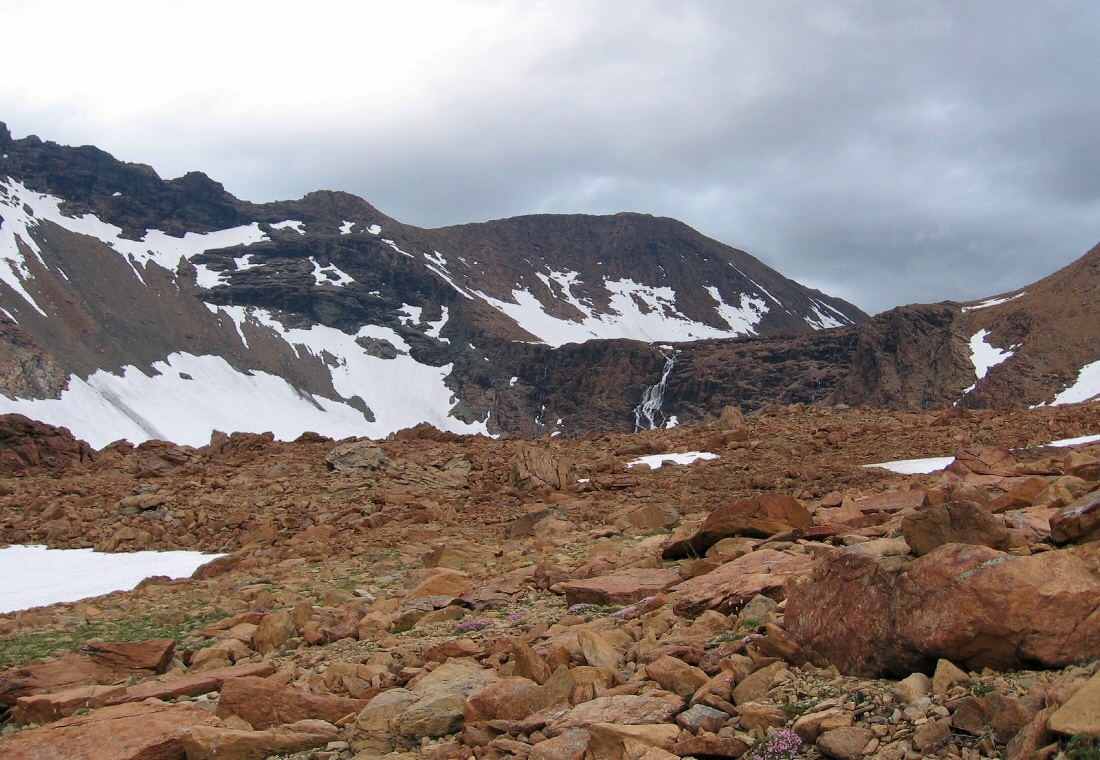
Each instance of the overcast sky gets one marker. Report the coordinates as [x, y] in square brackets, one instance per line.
[884, 152]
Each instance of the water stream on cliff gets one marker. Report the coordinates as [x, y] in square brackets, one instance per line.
[648, 414]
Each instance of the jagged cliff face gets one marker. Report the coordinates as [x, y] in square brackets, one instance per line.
[140, 308]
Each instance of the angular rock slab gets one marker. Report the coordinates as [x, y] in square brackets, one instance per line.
[622, 587]
[105, 663]
[265, 704]
[123, 732]
[727, 588]
[871, 615]
[1077, 522]
[621, 710]
[1081, 714]
[216, 743]
[760, 517]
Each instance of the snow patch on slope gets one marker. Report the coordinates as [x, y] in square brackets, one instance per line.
[1085, 388]
[985, 356]
[744, 318]
[992, 302]
[290, 224]
[330, 274]
[154, 247]
[400, 391]
[637, 312]
[188, 397]
[825, 316]
[69, 575]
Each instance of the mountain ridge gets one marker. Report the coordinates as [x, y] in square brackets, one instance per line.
[142, 280]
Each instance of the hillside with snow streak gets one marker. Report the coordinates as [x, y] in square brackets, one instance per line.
[139, 308]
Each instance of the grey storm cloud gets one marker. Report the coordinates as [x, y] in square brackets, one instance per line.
[883, 152]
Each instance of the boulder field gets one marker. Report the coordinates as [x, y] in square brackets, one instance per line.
[446, 597]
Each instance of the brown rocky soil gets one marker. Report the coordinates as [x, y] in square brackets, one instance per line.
[434, 596]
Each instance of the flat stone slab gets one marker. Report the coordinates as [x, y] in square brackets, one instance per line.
[621, 587]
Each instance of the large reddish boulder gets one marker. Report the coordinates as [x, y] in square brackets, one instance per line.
[265, 703]
[872, 615]
[984, 460]
[956, 523]
[727, 588]
[104, 663]
[1078, 522]
[123, 732]
[27, 445]
[760, 517]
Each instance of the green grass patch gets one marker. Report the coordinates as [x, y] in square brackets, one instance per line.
[20, 648]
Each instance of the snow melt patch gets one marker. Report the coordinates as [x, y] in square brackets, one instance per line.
[985, 356]
[186, 399]
[155, 247]
[69, 575]
[823, 319]
[330, 274]
[346, 227]
[915, 466]
[1086, 387]
[993, 302]
[743, 318]
[400, 391]
[13, 230]
[1078, 441]
[654, 461]
[290, 224]
[637, 312]
[245, 262]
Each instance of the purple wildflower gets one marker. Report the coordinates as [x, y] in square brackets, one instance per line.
[471, 625]
[783, 744]
[579, 609]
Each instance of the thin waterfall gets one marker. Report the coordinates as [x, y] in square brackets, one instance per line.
[648, 414]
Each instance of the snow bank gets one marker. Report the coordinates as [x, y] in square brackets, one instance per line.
[636, 312]
[49, 576]
[1086, 387]
[655, 461]
[915, 466]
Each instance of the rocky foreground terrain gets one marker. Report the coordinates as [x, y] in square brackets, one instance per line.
[439, 596]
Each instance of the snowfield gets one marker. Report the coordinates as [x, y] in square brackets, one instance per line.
[915, 466]
[655, 461]
[69, 575]
[636, 312]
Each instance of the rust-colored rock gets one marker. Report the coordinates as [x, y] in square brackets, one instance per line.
[621, 587]
[1020, 497]
[760, 517]
[954, 523]
[1078, 522]
[512, 698]
[873, 615]
[536, 467]
[986, 460]
[27, 445]
[122, 732]
[218, 743]
[710, 746]
[264, 703]
[726, 589]
[624, 710]
[103, 663]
